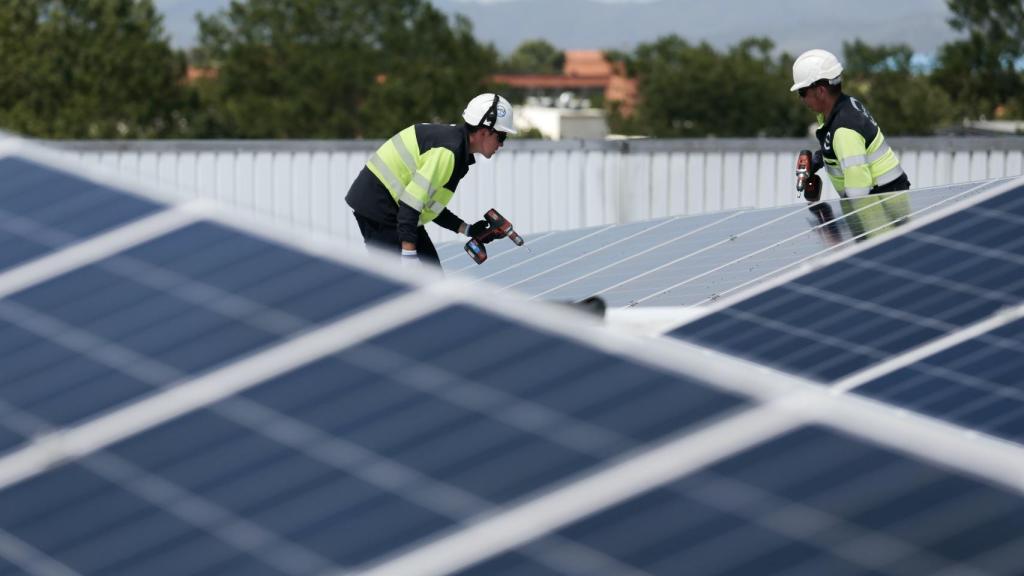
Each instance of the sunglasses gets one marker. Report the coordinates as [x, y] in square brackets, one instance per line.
[803, 91]
[501, 136]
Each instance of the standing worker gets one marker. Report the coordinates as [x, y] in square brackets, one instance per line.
[853, 150]
[410, 179]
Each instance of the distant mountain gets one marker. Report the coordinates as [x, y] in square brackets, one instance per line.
[794, 25]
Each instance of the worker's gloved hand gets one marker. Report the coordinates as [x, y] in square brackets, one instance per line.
[812, 188]
[816, 162]
[410, 259]
[476, 229]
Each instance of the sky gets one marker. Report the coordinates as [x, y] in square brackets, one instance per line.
[794, 25]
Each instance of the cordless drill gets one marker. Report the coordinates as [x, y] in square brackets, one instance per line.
[807, 182]
[497, 227]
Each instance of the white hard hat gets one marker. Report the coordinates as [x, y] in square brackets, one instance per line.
[490, 110]
[815, 65]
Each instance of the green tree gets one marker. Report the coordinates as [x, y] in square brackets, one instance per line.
[534, 57]
[902, 101]
[338, 68]
[692, 91]
[982, 72]
[89, 69]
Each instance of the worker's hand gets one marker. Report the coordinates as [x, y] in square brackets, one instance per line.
[812, 188]
[476, 229]
[410, 259]
[816, 162]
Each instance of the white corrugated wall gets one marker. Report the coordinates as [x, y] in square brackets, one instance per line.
[538, 185]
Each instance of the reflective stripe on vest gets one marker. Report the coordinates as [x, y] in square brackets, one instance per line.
[394, 183]
[889, 176]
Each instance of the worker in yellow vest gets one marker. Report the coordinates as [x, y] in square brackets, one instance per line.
[410, 179]
[853, 151]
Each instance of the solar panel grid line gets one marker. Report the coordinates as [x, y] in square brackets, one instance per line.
[938, 281]
[93, 435]
[985, 457]
[963, 246]
[727, 373]
[247, 537]
[430, 493]
[835, 342]
[517, 412]
[851, 252]
[879, 310]
[93, 249]
[570, 558]
[30, 560]
[105, 352]
[997, 320]
[586, 254]
[893, 516]
[974, 383]
[459, 252]
[91, 171]
[864, 234]
[802, 261]
[532, 258]
[696, 252]
[204, 294]
[802, 522]
[242, 534]
[638, 254]
[560, 505]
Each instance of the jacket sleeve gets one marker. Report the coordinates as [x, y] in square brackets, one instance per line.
[448, 220]
[408, 223]
[852, 153]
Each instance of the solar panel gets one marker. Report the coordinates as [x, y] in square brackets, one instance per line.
[975, 383]
[811, 502]
[42, 210]
[202, 395]
[81, 338]
[876, 303]
[681, 260]
[414, 437]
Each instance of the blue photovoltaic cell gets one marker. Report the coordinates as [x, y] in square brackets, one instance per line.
[357, 455]
[196, 298]
[43, 209]
[883, 301]
[810, 503]
[977, 384]
[8, 437]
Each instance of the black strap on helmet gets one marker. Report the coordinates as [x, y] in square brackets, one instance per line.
[490, 118]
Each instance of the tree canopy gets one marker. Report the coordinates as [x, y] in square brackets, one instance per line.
[89, 69]
[367, 68]
[338, 68]
[982, 72]
[902, 101]
[693, 90]
[533, 57]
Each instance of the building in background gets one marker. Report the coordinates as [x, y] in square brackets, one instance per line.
[574, 104]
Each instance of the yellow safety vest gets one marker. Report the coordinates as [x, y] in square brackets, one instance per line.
[413, 178]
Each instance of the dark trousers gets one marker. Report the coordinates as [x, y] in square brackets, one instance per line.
[385, 238]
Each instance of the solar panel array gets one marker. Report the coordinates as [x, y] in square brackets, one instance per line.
[928, 320]
[187, 393]
[688, 260]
